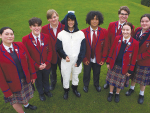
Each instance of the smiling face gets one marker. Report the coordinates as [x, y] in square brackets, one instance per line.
[126, 31]
[71, 23]
[123, 16]
[36, 29]
[94, 22]
[54, 19]
[7, 37]
[145, 23]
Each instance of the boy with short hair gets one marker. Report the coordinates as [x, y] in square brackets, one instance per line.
[52, 29]
[40, 49]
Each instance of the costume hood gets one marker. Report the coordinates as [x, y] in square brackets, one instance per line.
[65, 22]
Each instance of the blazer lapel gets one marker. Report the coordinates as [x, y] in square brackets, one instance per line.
[42, 42]
[7, 55]
[59, 28]
[33, 41]
[51, 32]
[119, 45]
[98, 34]
[89, 36]
[16, 49]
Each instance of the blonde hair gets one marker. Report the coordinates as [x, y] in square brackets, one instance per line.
[50, 13]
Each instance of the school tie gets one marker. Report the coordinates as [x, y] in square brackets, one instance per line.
[38, 44]
[93, 44]
[125, 41]
[10, 50]
[119, 30]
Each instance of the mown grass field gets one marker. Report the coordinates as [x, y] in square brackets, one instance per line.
[16, 13]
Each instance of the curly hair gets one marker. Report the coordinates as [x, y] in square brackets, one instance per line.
[90, 16]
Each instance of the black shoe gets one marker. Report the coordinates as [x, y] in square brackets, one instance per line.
[48, 94]
[106, 86]
[109, 98]
[52, 87]
[42, 97]
[76, 93]
[85, 88]
[98, 88]
[66, 95]
[31, 107]
[114, 91]
[117, 98]
[129, 92]
[141, 99]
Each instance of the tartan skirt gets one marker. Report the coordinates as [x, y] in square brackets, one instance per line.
[23, 96]
[142, 75]
[116, 78]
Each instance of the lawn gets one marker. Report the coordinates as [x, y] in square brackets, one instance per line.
[16, 13]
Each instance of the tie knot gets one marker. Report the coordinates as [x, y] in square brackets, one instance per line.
[10, 50]
[125, 41]
[93, 31]
[120, 26]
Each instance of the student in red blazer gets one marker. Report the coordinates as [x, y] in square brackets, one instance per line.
[52, 29]
[40, 49]
[16, 71]
[96, 48]
[142, 69]
[115, 28]
[121, 61]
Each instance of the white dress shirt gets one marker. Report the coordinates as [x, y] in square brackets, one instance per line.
[54, 29]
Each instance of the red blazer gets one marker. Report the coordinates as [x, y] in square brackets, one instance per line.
[112, 28]
[129, 57]
[144, 50]
[9, 78]
[45, 56]
[47, 30]
[101, 47]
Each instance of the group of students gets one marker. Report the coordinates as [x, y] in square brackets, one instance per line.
[125, 51]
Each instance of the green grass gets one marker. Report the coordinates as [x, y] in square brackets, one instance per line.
[16, 13]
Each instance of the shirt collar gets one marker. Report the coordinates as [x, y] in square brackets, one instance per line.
[127, 40]
[36, 36]
[120, 24]
[7, 48]
[92, 29]
[52, 27]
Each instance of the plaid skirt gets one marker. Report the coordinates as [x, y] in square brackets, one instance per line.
[23, 96]
[142, 75]
[116, 78]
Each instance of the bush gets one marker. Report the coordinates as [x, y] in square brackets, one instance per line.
[145, 2]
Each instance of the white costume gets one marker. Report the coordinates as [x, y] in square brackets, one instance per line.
[71, 44]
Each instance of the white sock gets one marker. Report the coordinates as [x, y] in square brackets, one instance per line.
[111, 92]
[141, 93]
[26, 105]
[132, 87]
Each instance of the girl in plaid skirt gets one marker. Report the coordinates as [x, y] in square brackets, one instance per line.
[121, 61]
[15, 83]
[142, 70]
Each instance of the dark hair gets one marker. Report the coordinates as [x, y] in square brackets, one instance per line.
[129, 24]
[4, 28]
[34, 21]
[145, 15]
[90, 16]
[124, 8]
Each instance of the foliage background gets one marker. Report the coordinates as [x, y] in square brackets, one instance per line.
[16, 13]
